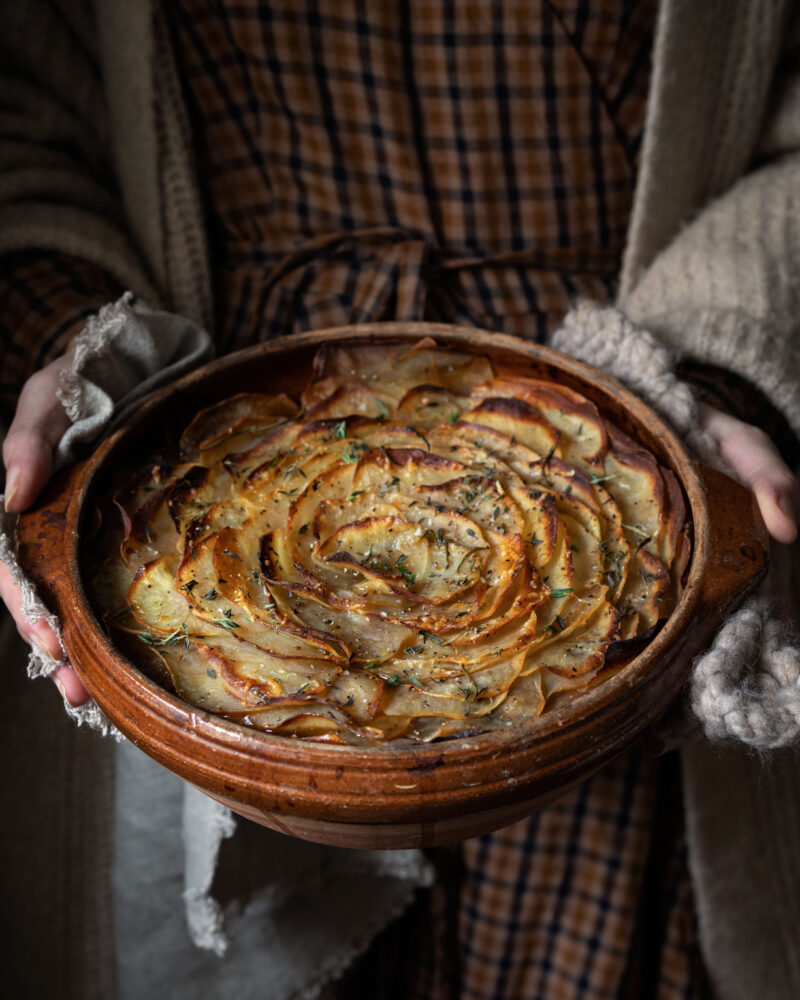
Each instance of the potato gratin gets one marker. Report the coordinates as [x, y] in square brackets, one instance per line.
[417, 548]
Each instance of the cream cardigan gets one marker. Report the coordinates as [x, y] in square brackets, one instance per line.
[711, 265]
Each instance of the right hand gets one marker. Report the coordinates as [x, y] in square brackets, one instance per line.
[759, 466]
[36, 429]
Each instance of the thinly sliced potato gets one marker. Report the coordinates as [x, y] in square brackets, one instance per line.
[423, 551]
[244, 412]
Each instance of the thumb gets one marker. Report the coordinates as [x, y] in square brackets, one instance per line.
[36, 429]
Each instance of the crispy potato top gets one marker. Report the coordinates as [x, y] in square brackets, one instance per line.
[415, 549]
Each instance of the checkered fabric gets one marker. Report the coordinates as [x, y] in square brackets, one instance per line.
[469, 162]
[580, 901]
[590, 899]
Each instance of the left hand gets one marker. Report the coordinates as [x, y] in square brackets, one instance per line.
[28, 449]
[757, 463]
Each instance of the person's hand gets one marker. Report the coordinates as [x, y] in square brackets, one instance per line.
[757, 463]
[28, 450]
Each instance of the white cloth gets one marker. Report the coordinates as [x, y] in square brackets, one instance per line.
[316, 908]
[125, 352]
[312, 910]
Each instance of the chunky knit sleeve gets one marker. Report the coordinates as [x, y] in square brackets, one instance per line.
[726, 290]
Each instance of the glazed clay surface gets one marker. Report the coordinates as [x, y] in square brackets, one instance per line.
[385, 797]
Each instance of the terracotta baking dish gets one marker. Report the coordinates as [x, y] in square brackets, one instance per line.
[385, 797]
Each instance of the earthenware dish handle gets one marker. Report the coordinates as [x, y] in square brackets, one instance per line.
[394, 796]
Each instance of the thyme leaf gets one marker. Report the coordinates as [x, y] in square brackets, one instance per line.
[470, 553]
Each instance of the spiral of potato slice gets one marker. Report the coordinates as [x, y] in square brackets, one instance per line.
[415, 549]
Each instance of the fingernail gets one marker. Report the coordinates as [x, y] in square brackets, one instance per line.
[63, 691]
[42, 644]
[43, 650]
[12, 485]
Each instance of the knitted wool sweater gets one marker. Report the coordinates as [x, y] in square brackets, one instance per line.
[710, 268]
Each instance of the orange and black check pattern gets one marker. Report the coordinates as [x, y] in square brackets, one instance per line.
[467, 161]
[589, 899]
[581, 900]
[470, 162]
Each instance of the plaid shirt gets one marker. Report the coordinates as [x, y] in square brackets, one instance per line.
[469, 162]
[589, 899]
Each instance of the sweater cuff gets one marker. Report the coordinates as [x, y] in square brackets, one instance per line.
[604, 337]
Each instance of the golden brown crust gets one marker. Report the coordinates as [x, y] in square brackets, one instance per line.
[425, 550]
